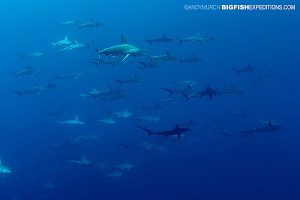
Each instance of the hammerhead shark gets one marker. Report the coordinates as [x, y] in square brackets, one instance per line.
[64, 42]
[193, 59]
[122, 49]
[269, 127]
[132, 80]
[195, 38]
[34, 90]
[35, 54]
[163, 39]
[249, 68]
[28, 71]
[209, 92]
[178, 131]
[167, 57]
[91, 24]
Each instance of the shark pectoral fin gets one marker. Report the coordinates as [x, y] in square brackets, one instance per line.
[125, 57]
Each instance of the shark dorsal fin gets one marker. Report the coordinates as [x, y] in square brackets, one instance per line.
[76, 117]
[123, 39]
[194, 55]
[0, 161]
[92, 20]
[177, 126]
[167, 53]
[66, 38]
[269, 123]
[164, 36]
[249, 65]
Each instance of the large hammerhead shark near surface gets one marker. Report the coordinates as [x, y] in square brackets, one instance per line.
[122, 49]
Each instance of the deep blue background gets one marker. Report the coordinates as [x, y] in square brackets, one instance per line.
[211, 167]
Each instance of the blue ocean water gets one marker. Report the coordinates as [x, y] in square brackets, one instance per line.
[230, 152]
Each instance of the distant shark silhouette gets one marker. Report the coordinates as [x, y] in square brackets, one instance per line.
[269, 127]
[163, 39]
[178, 131]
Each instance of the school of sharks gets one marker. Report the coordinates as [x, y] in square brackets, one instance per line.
[146, 119]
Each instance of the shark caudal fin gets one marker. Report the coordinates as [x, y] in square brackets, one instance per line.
[142, 63]
[150, 132]
[19, 93]
[13, 73]
[187, 97]
[53, 44]
[171, 92]
[150, 41]
[119, 81]
[179, 40]
[236, 70]
[51, 86]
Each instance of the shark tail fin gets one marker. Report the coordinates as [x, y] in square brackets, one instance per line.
[51, 86]
[150, 132]
[171, 92]
[188, 97]
[150, 41]
[142, 63]
[119, 81]
[179, 40]
[19, 93]
[236, 70]
[180, 61]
